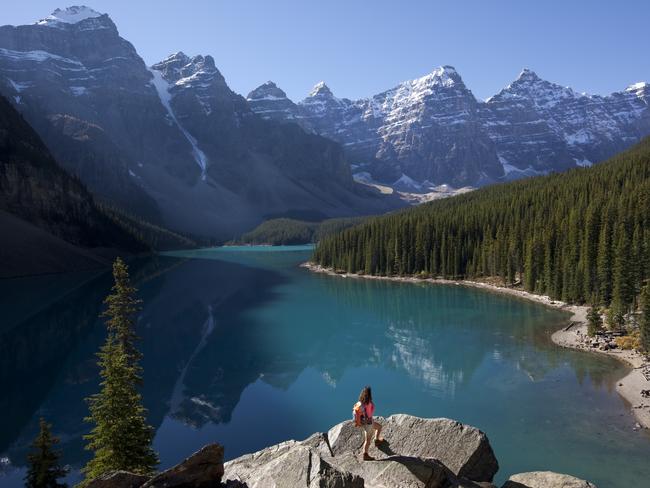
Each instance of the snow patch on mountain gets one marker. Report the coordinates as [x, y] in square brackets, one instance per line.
[36, 55]
[637, 87]
[512, 172]
[320, 88]
[584, 163]
[18, 86]
[70, 15]
[162, 88]
[77, 91]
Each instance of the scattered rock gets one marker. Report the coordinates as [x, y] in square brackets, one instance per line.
[546, 479]
[203, 469]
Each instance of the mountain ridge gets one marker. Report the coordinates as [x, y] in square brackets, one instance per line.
[433, 130]
[103, 111]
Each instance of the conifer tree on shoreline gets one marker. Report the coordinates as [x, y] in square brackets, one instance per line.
[595, 320]
[121, 438]
[44, 469]
[644, 324]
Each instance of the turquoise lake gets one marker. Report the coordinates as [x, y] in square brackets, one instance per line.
[244, 347]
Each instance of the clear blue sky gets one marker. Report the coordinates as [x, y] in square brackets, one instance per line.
[362, 47]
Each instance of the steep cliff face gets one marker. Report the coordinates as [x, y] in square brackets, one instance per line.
[171, 143]
[432, 130]
[49, 220]
[201, 102]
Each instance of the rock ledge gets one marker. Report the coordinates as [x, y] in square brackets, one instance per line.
[418, 453]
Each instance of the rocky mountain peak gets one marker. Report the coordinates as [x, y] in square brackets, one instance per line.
[641, 90]
[205, 63]
[76, 14]
[271, 102]
[180, 69]
[443, 76]
[528, 75]
[540, 92]
[320, 89]
[267, 91]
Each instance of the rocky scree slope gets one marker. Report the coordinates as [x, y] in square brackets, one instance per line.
[432, 130]
[418, 453]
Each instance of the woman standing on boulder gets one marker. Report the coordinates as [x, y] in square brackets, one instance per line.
[363, 411]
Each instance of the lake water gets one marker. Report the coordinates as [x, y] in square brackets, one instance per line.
[243, 347]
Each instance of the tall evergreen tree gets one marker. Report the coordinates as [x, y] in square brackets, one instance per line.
[44, 470]
[644, 324]
[121, 438]
[595, 321]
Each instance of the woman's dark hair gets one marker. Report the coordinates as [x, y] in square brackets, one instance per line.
[365, 396]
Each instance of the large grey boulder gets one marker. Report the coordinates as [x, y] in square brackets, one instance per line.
[286, 466]
[203, 469]
[546, 479]
[419, 453]
[465, 450]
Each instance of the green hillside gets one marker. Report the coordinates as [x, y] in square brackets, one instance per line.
[282, 232]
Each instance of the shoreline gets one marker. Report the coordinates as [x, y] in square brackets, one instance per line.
[629, 387]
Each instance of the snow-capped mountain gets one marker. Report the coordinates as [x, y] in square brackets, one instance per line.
[542, 126]
[432, 130]
[271, 102]
[170, 142]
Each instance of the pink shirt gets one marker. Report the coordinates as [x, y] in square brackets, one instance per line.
[370, 409]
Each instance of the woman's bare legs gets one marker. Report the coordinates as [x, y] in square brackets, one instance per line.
[366, 444]
[377, 427]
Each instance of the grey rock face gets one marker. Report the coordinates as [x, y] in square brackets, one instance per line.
[203, 469]
[289, 467]
[271, 103]
[546, 479]
[463, 449]
[542, 126]
[82, 70]
[434, 131]
[119, 479]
